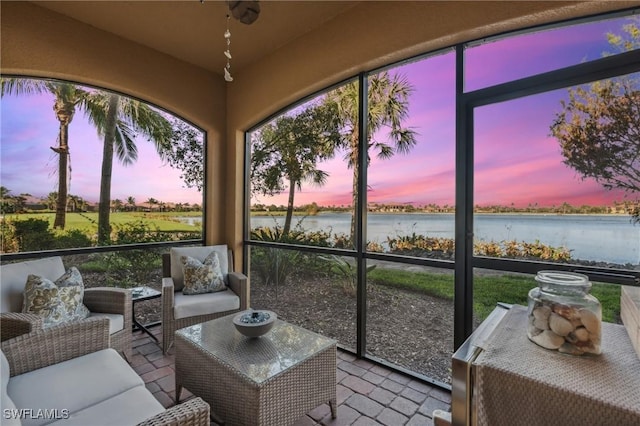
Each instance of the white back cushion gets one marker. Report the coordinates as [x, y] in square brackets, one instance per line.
[13, 277]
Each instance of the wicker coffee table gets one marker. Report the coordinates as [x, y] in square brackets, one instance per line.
[270, 380]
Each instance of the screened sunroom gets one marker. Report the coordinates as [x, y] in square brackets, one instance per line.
[383, 173]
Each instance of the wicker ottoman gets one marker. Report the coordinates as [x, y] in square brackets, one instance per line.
[270, 380]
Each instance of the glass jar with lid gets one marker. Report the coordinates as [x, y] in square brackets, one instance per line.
[563, 316]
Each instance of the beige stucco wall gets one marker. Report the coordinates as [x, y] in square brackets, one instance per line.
[39, 42]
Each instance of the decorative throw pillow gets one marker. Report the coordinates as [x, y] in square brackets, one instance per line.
[41, 298]
[202, 277]
[56, 302]
[71, 292]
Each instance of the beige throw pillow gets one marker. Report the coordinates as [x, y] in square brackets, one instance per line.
[202, 277]
[56, 302]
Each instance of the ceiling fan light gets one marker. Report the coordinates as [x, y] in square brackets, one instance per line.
[245, 11]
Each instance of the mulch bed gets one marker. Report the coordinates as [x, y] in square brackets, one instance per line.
[411, 330]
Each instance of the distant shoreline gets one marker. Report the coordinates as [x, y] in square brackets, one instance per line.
[283, 213]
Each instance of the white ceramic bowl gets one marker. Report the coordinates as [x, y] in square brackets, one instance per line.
[254, 323]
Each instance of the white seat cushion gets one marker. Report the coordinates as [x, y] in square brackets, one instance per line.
[128, 408]
[185, 306]
[74, 384]
[116, 321]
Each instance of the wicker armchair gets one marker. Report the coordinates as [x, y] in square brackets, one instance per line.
[108, 302]
[236, 297]
[13, 324]
[46, 347]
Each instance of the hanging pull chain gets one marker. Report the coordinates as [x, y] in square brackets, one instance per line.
[227, 53]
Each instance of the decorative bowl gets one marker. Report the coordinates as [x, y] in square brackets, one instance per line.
[254, 323]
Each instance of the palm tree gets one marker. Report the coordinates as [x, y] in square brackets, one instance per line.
[152, 201]
[68, 97]
[119, 120]
[388, 107]
[4, 192]
[117, 205]
[131, 202]
[74, 202]
[6, 200]
[52, 200]
[290, 149]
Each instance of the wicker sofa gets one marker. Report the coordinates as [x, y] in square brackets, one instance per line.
[67, 375]
[112, 303]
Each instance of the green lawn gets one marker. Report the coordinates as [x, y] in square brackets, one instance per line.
[488, 289]
[88, 222]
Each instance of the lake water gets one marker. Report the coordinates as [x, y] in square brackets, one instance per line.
[605, 238]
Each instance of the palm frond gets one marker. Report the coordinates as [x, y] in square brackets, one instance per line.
[124, 144]
[24, 86]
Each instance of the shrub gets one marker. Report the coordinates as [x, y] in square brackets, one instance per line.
[71, 239]
[483, 248]
[345, 269]
[545, 252]
[127, 268]
[8, 241]
[273, 265]
[33, 235]
[422, 243]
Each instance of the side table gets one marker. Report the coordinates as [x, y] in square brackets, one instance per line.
[139, 294]
[520, 383]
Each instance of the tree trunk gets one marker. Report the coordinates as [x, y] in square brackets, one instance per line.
[104, 228]
[63, 161]
[354, 202]
[356, 174]
[287, 221]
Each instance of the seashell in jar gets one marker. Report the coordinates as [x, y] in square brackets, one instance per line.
[532, 330]
[540, 317]
[560, 325]
[581, 334]
[548, 340]
[541, 324]
[590, 320]
[541, 312]
[571, 338]
[569, 312]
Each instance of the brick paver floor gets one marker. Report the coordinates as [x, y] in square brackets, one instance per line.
[367, 393]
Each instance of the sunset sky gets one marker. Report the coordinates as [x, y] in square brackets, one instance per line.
[515, 158]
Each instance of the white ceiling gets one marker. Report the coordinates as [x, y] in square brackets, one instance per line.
[193, 31]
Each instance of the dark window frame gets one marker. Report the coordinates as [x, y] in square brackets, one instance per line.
[465, 261]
